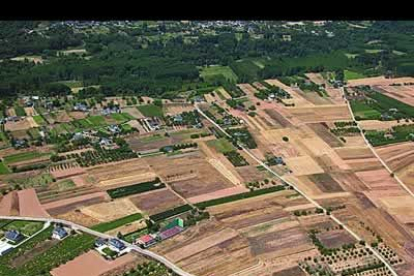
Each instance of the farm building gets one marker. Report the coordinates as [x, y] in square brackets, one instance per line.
[147, 240]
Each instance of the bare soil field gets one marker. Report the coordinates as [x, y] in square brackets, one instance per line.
[326, 183]
[113, 210]
[335, 238]
[139, 143]
[93, 264]
[303, 165]
[402, 93]
[79, 218]
[381, 125]
[294, 271]
[358, 165]
[66, 169]
[177, 108]
[347, 153]
[218, 194]
[30, 111]
[23, 124]
[322, 113]
[379, 81]
[124, 172]
[278, 118]
[77, 115]
[316, 78]
[313, 97]
[207, 179]
[66, 205]
[29, 204]
[378, 179]
[322, 130]
[7, 203]
[156, 201]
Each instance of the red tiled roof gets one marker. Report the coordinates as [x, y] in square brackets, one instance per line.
[146, 238]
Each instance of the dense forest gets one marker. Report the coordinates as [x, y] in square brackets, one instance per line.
[123, 60]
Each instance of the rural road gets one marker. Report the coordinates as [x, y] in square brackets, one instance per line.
[376, 154]
[316, 204]
[87, 230]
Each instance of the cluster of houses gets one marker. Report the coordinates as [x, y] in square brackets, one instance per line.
[114, 245]
[13, 238]
[173, 228]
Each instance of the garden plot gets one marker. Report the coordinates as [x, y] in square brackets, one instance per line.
[113, 210]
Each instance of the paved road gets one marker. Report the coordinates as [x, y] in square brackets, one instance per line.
[297, 189]
[84, 229]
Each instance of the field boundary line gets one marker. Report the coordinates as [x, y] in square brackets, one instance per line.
[375, 252]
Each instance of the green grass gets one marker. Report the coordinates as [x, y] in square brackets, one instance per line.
[3, 168]
[121, 117]
[39, 120]
[351, 75]
[107, 226]
[97, 120]
[151, 110]
[210, 73]
[27, 228]
[65, 184]
[363, 111]
[19, 110]
[24, 156]
[373, 51]
[221, 145]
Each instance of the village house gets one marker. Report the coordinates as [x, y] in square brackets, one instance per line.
[13, 236]
[116, 245]
[59, 233]
[147, 240]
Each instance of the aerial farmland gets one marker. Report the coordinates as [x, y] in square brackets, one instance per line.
[195, 153]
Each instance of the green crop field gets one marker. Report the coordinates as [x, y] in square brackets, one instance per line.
[351, 75]
[231, 198]
[3, 168]
[122, 117]
[221, 145]
[150, 110]
[39, 120]
[97, 120]
[24, 156]
[19, 110]
[27, 228]
[363, 111]
[135, 189]
[209, 73]
[107, 226]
